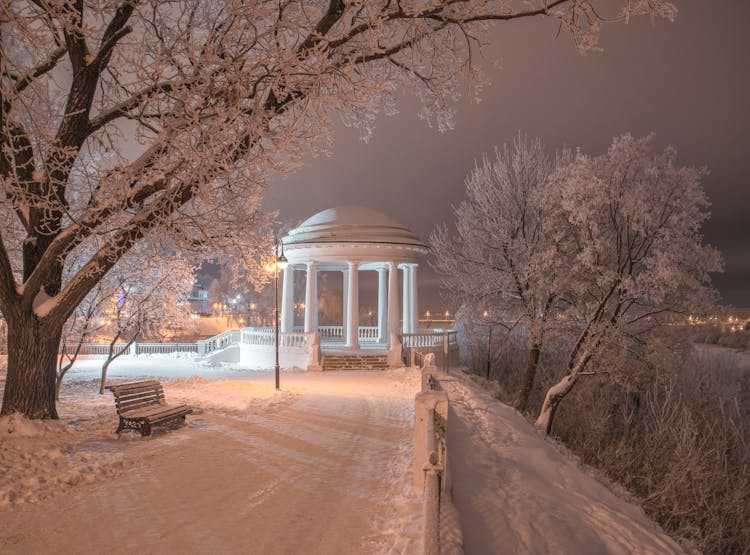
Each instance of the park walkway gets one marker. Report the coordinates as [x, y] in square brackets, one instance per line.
[324, 470]
[516, 493]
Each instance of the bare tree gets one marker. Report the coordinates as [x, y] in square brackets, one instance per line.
[135, 296]
[632, 218]
[503, 258]
[150, 303]
[84, 323]
[149, 118]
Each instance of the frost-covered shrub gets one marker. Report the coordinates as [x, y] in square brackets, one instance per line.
[674, 430]
[707, 333]
[736, 340]
[681, 445]
[507, 351]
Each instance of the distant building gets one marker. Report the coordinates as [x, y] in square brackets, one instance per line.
[198, 300]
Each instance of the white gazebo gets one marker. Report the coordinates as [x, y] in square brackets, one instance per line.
[353, 239]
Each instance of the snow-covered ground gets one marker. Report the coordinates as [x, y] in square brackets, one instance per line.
[322, 467]
[517, 492]
[174, 366]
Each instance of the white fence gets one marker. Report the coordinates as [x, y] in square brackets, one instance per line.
[430, 455]
[263, 339]
[163, 348]
[253, 336]
[102, 349]
[335, 334]
[331, 333]
[429, 338]
[92, 349]
[296, 349]
[368, 334]
[218, 342]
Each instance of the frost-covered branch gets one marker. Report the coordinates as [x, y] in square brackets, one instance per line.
[137, 118]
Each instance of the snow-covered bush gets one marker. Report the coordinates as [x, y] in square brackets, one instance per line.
[678, 437]
[735, 340]
[681, 445]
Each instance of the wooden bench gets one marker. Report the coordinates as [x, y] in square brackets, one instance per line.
[141, 405]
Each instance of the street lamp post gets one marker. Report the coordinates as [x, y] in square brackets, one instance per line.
[489, 343]
[280, 262]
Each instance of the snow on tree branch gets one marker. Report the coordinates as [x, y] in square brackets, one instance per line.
[124, 121]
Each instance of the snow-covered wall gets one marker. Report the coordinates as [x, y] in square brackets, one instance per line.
[264, 356]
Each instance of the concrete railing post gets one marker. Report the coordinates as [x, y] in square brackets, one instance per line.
[426, 404]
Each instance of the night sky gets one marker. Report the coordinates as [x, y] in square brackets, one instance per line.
[687, 81]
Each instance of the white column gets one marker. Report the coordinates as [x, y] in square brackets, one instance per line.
[406, 300]
[352, 307]
[382, 307]
[413, 306]
[344, 302]
[392, 299]
[287, 300]
[394, 345]
[311, 299]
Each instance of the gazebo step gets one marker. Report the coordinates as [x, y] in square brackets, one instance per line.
[355, 362]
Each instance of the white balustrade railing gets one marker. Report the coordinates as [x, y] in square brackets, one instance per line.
[102, 349]
[331, 332]
[368, 334]
[293, 340]
[428, 339]
[218, 342]
[91, 349]
[258, 336]
[163, 348]
[267, 337]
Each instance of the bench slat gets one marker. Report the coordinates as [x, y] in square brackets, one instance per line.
[159, 418]
[153, 400]
[124, 387]
[141, 393]
[153, 411]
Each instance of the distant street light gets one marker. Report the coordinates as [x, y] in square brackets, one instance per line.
[280, 262]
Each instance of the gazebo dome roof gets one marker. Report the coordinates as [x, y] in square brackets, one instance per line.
[352, 224]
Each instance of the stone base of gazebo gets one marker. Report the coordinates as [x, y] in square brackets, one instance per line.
[352, 360]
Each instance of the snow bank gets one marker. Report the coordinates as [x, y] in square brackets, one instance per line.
[162, 366]
[518, 492]
[17, 425]
[42, 458]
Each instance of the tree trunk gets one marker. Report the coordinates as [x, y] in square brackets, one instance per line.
[111, 357]
[555, 394]
[32, 367]
[522, 399]
[62, 370]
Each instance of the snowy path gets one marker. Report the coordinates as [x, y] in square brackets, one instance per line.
[323, 468]
[517, 494]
